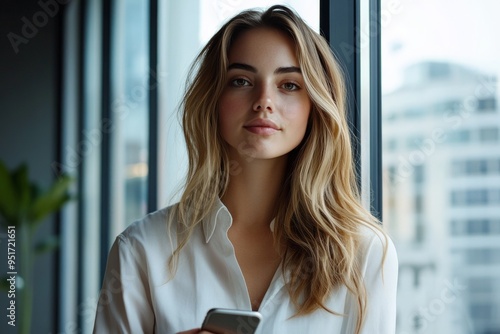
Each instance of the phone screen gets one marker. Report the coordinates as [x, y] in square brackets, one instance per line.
[229, 321]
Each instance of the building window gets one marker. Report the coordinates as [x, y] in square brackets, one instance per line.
[494, 166]
[419, 174]
[475, 226]
[488, 104]
[419, 204]
[439, 70]
[459, 136]
[475, 167]
[472, 197]
[482, 256]
[481, 285]
[445, 107]
[483, 311]
[488, 134]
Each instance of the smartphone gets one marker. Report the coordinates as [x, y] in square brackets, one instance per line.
[230, 321]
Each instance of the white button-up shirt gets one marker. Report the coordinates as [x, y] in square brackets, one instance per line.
[138, 297]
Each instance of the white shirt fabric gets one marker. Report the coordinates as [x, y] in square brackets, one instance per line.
[137, 297]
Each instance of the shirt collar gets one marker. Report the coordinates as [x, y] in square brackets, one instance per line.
[219, 212]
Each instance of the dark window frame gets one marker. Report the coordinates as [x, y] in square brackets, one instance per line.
[340, 24]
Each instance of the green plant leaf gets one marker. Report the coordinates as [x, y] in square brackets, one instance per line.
[8, 197]
[22, 187]
[4, 284]
[49, 244]
[50, 201]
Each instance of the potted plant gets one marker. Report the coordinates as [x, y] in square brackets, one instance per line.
[23, 206]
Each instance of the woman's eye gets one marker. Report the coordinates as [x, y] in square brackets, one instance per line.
[239, 82]
[290, 86]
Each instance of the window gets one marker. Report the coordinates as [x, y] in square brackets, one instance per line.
[439, 70]
[129, 75]
[488, 104]
[419, 175]
[442, 108]
[482, 256]
[478, 226]
[475, 167]
[459, 136]
[482, 311]
[481, 285]
[494, 166]
[490, 134]
[475, 227]
[474, 197]
[435, 65]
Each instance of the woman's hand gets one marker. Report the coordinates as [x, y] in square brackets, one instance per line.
[195, 331]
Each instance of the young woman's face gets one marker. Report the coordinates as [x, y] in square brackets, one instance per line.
[264, 108]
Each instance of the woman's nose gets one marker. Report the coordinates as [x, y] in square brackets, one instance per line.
[264, 99]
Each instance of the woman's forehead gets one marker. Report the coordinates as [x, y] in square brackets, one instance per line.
[263, 44]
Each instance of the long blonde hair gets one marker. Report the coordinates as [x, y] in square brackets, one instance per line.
[319, 211]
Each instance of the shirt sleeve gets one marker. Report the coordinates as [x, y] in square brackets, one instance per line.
[124, 302]
[381, 287]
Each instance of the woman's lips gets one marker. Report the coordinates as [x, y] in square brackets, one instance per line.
[262, 126]
[261, 130]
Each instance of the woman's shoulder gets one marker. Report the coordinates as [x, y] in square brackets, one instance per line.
[376, 245]
[154, 227]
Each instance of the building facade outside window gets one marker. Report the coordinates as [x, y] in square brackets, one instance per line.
[441, 185]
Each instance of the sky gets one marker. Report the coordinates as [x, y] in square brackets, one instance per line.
[461, 31]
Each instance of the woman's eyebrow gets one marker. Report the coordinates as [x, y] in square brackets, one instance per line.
[241, 66]
[288, 69]
[250, 68]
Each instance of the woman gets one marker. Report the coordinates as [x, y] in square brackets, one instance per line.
[270, 217]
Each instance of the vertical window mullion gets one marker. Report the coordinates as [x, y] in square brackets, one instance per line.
[106, 151]
[153, 109]
[376, 184]
[348, 25]
[339, 24]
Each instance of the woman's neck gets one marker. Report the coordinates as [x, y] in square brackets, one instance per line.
[253, 191]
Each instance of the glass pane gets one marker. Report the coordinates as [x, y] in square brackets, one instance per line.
[198, 21]
[441, 158]
[129, 103]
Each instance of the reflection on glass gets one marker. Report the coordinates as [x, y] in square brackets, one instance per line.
[441, 159]
[130, 111]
